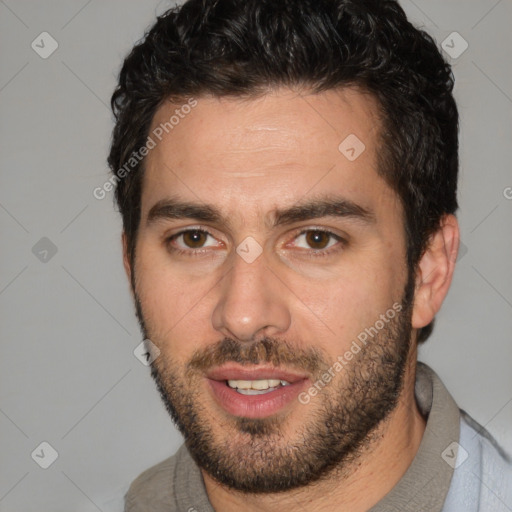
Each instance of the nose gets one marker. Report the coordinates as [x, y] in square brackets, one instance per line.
[252, 302]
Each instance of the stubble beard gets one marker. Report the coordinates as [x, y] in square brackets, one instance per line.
[253, 455]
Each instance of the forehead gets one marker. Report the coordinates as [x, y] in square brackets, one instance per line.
[266, 152]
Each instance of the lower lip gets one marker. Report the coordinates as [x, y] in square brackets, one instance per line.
[255, 406]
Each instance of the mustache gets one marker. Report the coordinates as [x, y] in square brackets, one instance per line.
[266, 350]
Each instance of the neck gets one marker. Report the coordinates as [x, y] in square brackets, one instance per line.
[356, 487]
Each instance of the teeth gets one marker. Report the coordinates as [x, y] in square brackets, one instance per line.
[256, 385]
[254, 391]
[264, 384]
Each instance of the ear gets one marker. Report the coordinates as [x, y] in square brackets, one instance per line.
[126, 259]
[435, 271]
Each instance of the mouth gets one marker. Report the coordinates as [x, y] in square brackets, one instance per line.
[254, 392]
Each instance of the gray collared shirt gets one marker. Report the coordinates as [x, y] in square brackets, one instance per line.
[458, 467]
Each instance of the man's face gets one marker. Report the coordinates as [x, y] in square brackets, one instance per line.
[263, 252]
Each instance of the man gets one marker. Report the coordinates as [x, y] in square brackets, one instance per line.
[286, 174]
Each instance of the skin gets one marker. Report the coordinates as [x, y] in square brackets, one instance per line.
[248, 158]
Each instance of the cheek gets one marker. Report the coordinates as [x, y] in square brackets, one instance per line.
[174, 306]
[349, 302]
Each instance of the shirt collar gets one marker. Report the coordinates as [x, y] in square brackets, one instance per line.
[425, 484]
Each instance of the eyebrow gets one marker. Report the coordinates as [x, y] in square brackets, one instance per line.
[312, 209]
[324, 207]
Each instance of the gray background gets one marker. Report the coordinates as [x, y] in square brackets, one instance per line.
[68, 373]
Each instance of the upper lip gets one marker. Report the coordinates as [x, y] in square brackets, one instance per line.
[235, 372]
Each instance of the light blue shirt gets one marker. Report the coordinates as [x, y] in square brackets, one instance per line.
[482, 478]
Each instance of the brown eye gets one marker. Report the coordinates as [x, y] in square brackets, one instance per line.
[194, 239]
[318, 242]
[318, 239]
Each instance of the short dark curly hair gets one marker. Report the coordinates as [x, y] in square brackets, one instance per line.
[245, 48]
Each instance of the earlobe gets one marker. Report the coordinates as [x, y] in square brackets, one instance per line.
[435, 271]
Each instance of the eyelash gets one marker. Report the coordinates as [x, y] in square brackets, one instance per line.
[314, 253]
[320, 253]
[186, 252]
